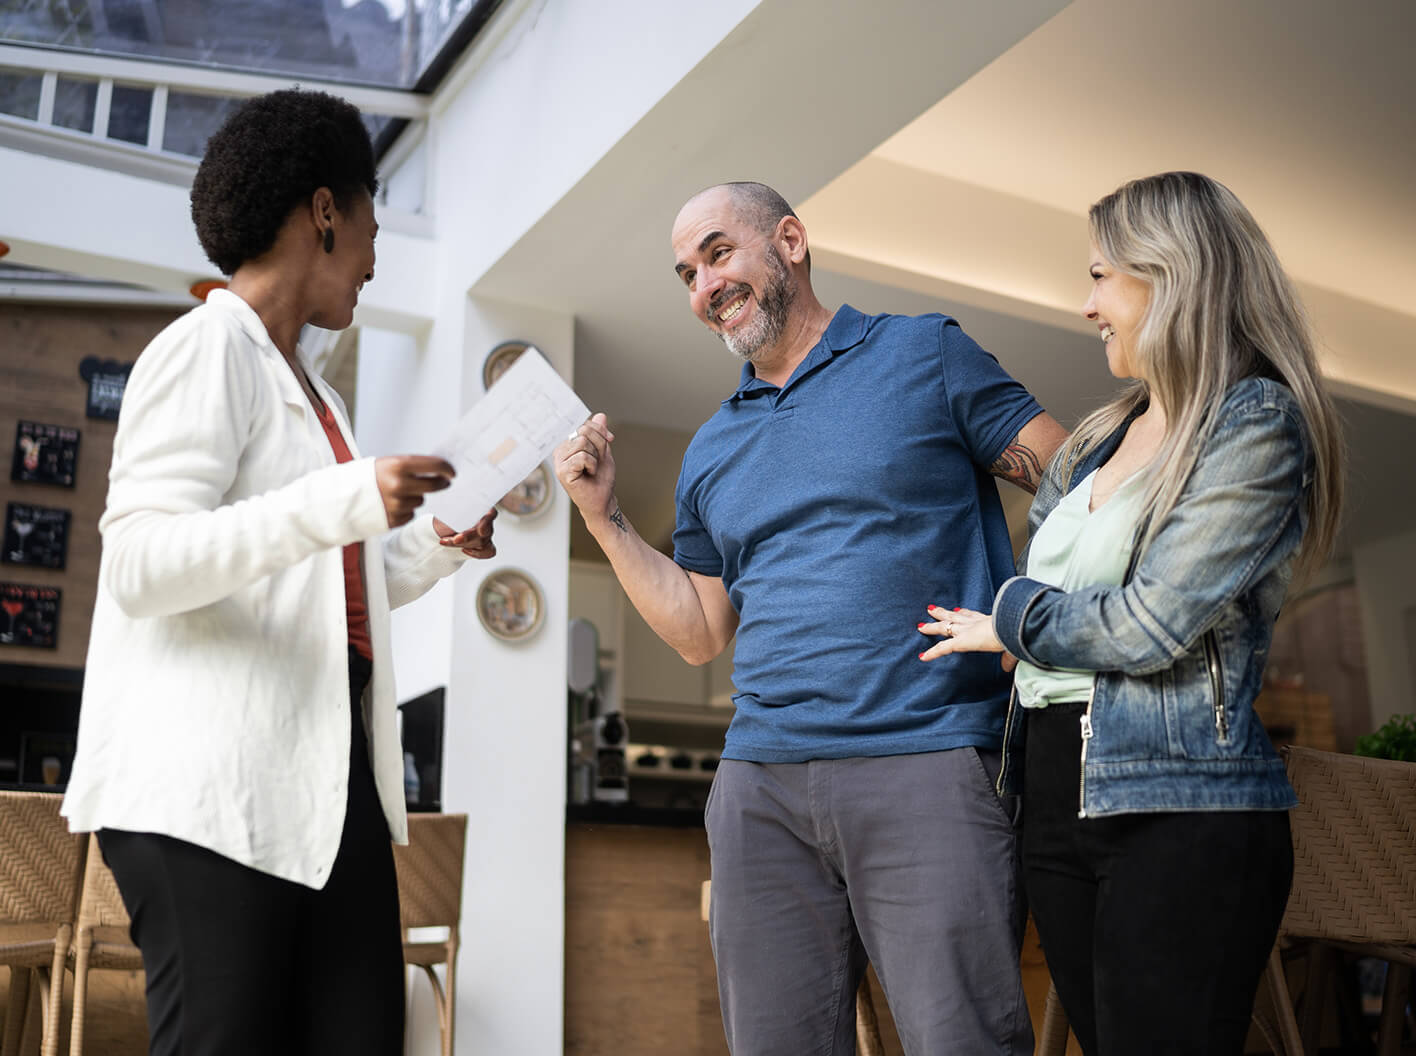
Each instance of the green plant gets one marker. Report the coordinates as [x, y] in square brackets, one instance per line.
[1395, 740]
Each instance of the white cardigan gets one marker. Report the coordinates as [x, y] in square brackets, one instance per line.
[216, 697]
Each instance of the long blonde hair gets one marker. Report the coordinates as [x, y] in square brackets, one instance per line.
[1221, 309]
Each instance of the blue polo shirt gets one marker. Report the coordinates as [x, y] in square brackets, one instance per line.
[835, 509]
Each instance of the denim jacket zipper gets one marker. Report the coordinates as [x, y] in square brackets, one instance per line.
[1216, 674]
[1086, 721]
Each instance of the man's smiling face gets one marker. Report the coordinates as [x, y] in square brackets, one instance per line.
[737, 282]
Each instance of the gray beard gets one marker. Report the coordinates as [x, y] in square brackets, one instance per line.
[773, 309]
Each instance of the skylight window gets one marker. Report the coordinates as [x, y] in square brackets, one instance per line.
[406, 44]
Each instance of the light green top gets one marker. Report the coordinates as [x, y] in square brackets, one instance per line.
[1076, 548]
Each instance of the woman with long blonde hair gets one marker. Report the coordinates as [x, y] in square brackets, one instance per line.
[1163, 539]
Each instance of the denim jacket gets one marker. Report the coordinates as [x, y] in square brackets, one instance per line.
[1179, 648]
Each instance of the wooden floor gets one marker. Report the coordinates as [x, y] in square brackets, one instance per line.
[116, 1027]
[114, 1024]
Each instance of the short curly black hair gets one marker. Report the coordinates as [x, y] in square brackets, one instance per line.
[271, 154]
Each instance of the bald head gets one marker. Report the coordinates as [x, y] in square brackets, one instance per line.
[756, 204]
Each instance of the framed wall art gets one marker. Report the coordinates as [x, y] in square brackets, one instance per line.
[531, 496]
[107, 378]
[510, 605]
[29, 615]
[35, 535]
[45, 454]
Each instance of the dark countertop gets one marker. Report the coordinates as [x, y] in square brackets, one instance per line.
[631, 814]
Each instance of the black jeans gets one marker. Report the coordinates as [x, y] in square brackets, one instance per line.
[241, 963]
[1156, 927]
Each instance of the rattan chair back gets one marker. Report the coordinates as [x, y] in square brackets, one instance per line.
[101, 905]
[430, 896]
[430, 870]
[40, 862]
[1354, 849]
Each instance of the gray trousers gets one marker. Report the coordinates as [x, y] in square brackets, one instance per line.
[907, 861]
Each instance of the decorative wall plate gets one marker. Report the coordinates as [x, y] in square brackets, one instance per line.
[500, 359]
[531, 496]
[510, 605]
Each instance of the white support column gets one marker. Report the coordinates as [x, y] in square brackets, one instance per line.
[504, 739]
[504, 753]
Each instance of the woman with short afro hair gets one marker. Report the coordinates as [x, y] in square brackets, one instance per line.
[238, 755]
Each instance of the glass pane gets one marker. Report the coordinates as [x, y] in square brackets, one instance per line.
[378, 42]
[130, 113]
[191, 119]
[73, 104]
[376, 124]
[19, 94]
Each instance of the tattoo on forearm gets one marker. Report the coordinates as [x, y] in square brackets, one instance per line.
[617, 519]
[1019, 464]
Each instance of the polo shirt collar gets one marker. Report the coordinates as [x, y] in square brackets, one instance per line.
[846, 330]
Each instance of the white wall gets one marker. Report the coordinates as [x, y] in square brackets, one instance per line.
[1386, 587]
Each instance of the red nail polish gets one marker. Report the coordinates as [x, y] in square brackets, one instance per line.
[921, 656]
[920, 626]
[958, 608]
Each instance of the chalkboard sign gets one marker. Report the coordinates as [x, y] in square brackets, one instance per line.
[35, 535]
[29, 615]
[107, 378]
[45, 454]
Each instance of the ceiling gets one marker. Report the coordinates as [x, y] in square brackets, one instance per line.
[977, 207]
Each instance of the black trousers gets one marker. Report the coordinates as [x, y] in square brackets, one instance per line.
[1156, 927]
[241, 963]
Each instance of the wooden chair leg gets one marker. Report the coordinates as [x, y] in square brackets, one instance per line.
[53, 984]
[1052, 1039]
[16, 1011]
[450, 1019]
[1320, 961]
[1289, 1037]
[81, 959]
[1394, 997]
[868, 1041]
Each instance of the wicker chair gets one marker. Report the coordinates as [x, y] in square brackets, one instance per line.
[1354, 883]
[101, 941]
[41, 868]
[430, 896]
